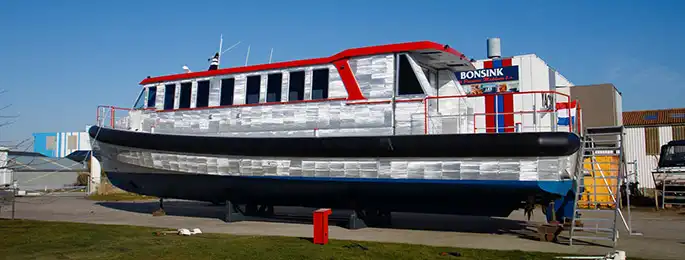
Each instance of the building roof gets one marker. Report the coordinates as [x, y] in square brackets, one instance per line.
[673, 116]
[435, 50]
[35, 162]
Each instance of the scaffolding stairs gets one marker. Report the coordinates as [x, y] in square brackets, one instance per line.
[672, 184]
[598, 176]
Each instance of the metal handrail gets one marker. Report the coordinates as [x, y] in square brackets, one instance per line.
[103, 109]
[112, 114]
[568, 99]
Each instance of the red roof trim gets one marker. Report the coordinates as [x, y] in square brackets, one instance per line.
[363, 51]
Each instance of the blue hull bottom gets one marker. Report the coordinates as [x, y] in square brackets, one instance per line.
[466, 197]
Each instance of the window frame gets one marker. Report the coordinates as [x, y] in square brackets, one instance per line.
[278, 88]
[149, 91]
[258, 88]
[326, 87]
[141, 101]
[300, 97]
[399, 71]
[221, 91]
[166, 96]
[189, 86]
[198, 93]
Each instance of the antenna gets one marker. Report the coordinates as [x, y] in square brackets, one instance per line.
[221, 51]
[229, 48]
[248, 54]
[221, 43]
[271, 54]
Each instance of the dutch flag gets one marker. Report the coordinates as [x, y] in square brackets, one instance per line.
[566, 113]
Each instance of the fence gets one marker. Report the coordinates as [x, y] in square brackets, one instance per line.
[531, 111]
[112, 117]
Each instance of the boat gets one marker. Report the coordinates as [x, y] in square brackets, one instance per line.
[376, 130]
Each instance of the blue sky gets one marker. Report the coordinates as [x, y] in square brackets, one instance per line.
[60, 59]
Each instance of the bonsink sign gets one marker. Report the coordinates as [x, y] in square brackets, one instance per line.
[488, 75]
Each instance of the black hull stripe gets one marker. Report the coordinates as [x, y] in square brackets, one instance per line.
[447, 145]
[478, 197]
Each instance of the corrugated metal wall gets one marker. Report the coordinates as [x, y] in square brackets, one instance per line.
[665, 135]
[635, 150]
[5, 174]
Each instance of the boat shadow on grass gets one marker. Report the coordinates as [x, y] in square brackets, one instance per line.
[300, 215]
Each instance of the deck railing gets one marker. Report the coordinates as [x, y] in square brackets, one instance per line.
[529, 111]
[112, 116]
[541, 113]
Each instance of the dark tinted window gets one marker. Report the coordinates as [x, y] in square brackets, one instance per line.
[202, 94]
[408, 84]
[151, 96]
[320, 84]
[252, 92]
[169, 93]
[273, 87]
[184, 99]
[227, 86]
[296, 86]
[672, 156]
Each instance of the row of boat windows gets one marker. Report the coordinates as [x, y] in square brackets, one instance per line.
[408, 84]
[252, 92]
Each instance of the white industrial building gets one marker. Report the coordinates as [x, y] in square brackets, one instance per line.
[61, 144]
[645, 132]
[528, 90]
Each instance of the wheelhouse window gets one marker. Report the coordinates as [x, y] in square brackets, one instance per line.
[227, 87]
[273, 87]
[296, 86]
[184, 99]
[151, 96]
[202, 94]
[140, 101]
[252, 92]
[169, 93]
[408, 82]
[431, 76]
[320, 84]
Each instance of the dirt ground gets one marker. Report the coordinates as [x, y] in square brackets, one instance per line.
[663, 233]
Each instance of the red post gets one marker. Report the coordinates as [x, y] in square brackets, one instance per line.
[111, 119]
[321, 226]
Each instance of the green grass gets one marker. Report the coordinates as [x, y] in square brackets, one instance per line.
[124, 196]
[25, 239]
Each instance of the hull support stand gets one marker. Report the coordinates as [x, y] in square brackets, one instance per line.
[368, 218]
[355, 222]
[160, 211]
[233, 214]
